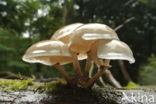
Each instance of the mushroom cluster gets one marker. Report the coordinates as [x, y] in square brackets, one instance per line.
[96, 43]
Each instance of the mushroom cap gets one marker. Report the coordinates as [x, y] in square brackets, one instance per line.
[85, 35]
[115, 49]
[63, 34]
[48, 52]
[93, 31]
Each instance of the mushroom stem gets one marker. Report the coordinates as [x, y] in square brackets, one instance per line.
[101, 81]
[77, 69]
[105, 63]
[88, 65]
[62, 72]
[112, 80]
[91, 70]
[76, 65]
[95, 77]
[102, 66]
[109, 75]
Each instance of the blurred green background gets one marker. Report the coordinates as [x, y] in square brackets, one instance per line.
[24, 22]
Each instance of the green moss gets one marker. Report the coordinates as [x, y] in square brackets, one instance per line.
[49, 87]
[131, 85]
[9, 85]
[29, 84]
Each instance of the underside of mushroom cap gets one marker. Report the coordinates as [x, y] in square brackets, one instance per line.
[49, 60]
[115, 50]
[80, 46]
[63, 34]
[48, 52]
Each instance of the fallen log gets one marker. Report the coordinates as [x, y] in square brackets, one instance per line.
[57, 92]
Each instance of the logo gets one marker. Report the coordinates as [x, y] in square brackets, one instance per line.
[137, 97]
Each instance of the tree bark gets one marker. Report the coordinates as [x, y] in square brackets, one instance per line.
[71, 95]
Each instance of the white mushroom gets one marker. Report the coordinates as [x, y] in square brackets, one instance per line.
[96, 42]
[115, 50]
[86, 37]
[50, 53]
[87, 34]
[65, 33]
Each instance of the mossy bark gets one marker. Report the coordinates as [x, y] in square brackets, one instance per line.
[60, 93]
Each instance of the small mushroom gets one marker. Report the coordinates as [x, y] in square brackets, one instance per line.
[113, 50]
[64, 34]
[50, 53]
[86, 37]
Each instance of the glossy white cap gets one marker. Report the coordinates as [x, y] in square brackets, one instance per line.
[48, 52]
[115, 50]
